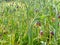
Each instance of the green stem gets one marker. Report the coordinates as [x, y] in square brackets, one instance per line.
[56, 25]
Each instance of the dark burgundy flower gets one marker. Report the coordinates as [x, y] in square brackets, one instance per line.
[41, 32]
[52, 33]
[38, 23]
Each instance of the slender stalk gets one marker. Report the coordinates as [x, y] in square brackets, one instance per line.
[29, 26]
[56, 25]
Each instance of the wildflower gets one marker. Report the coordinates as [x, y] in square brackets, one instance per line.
[38, 23]
[41, 32]
[52, 33]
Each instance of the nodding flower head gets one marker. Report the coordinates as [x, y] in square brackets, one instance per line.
[38, 23]
[41, 32]
[51, 32]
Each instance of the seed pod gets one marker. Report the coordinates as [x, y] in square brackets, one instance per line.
[38, 23]
[41, 32]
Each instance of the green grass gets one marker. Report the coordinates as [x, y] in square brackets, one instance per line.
[18, 22]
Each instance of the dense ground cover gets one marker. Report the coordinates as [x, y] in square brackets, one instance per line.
[30, 22]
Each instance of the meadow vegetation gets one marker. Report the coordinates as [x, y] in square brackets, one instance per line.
[29, 22]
